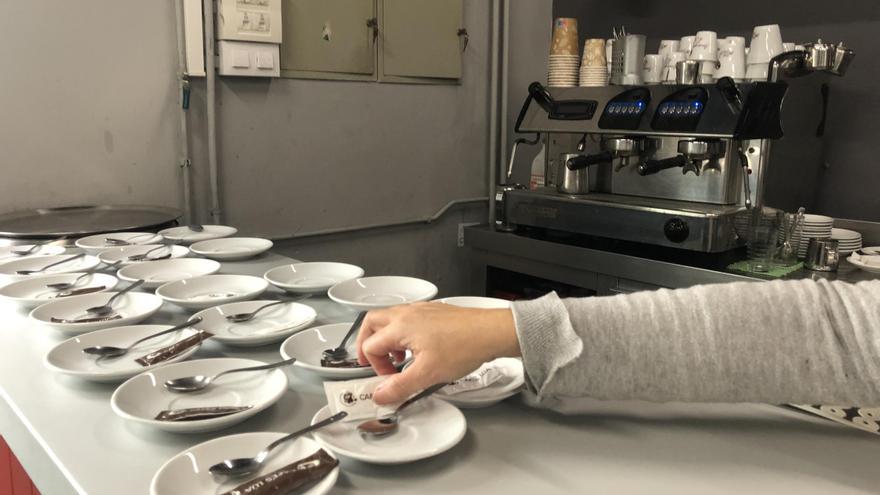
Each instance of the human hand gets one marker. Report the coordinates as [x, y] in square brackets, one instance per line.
[447, 342]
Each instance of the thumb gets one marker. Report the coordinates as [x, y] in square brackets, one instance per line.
[400, 386]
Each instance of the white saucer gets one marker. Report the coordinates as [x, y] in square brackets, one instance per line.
[32, 292]
[121, 254]
[212, 290]
[381, 292]
[476, 302]
[68, 358]
[870, 264]
[44, 250]
[505, 387]
[427, 428]
[94, 244]
[134, 307]
[187, 472]
[232, 248]
[308, 346]
[156, 273]
[311, 278]
[8, 268]
[185, 235]
[270, 325]
[141, 398]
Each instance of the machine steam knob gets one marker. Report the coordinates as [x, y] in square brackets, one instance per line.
[676, 230]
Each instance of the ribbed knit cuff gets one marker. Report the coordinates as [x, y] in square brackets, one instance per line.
[547, 340]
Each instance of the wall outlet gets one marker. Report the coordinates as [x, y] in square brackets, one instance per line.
[461, 227]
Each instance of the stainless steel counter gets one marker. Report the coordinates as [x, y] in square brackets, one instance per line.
[70, 441]
[602, 270]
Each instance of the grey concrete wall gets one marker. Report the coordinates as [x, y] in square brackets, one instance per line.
[850, 182]
[87, 103]
[303, 155]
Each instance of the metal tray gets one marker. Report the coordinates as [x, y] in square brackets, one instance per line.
[78, 221]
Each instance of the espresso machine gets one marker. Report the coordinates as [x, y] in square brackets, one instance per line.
[675, 165]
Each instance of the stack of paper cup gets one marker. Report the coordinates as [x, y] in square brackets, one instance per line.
[669, 71]
[594, 70]
[563, 64]
[766, 44]
[732, 58]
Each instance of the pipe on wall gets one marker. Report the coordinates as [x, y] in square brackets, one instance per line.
[211, 106]
[505, 81]
[183, 89]
[358, 228]
[492, 166]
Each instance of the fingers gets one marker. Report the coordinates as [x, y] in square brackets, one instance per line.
[400, 386]
[371, 324]
[377, 348]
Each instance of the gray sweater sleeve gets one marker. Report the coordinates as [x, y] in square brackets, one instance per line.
[799, 342]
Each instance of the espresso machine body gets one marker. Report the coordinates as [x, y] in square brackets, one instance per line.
[670, 165]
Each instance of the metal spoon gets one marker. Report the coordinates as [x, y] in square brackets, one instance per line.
[146, 256]
[198, 382]
[125, 242]
[59, 286]
[243, 317]
[341, 352]
[385, 426]
[107, 308]
[109, 351]
[31, 272]
[248, 465]
[196, 227]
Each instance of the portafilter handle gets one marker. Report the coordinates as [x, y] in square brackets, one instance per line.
[584, 161]
[654, 166]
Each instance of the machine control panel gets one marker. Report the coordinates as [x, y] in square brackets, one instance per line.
[625, 110]
[681, 111]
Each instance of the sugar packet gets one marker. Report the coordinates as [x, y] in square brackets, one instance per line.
[482, 377]
[356, 398]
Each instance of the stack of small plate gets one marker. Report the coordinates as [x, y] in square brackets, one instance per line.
[562, 71]
[815, 227]
[848, 241]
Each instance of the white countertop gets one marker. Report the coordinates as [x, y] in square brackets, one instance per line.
[624, 447]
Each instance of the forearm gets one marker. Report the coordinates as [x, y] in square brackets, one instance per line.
[773, 342]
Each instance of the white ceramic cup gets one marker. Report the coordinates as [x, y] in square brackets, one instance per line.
[669, 71]
[757, 72]
[766, 43]
[705, 46]
[686, 44]
[652, 70]
[667, 48]
[731, 59]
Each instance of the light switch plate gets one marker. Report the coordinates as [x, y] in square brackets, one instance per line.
[244, 58]
[249, 20]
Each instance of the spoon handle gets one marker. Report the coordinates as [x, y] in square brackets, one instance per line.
[119, 294]
[80, 255]
[308, 429]
[354, 328]
[173, 329]
[258, 368]
[276, 303]
[419, 396]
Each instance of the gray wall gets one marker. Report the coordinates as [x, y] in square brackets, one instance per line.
[87, 103]
[302, 155]
[851, 181]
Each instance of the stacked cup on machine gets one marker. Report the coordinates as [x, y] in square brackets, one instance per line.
[593, 70]
[563, 63]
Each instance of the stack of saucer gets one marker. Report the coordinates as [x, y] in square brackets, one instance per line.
[593, 66]
[563, 63]
[847, 240]
[814, 227]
